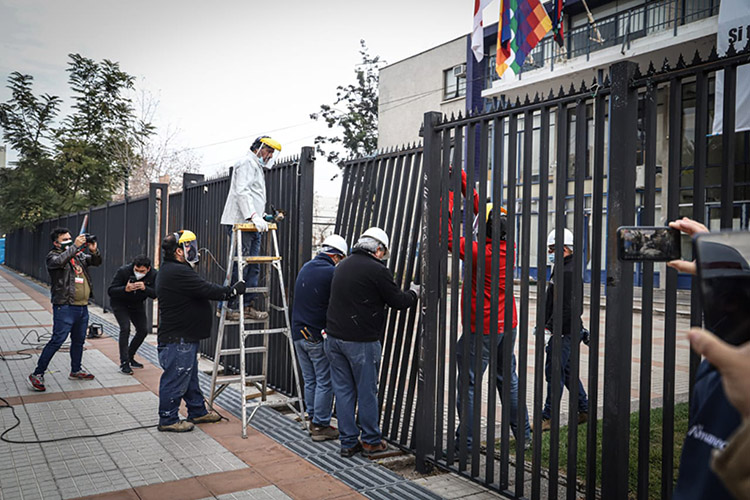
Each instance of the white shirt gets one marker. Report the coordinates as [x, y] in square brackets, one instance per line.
[247, 191]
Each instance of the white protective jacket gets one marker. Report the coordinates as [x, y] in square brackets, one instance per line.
[247, 191]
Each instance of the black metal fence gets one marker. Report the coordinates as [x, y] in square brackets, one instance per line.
[381, 192]
[565, 161]
[136, 226]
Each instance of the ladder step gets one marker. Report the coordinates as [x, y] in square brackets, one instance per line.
[247, 322]
[232, 379]
[280, 402]
[261, 259]
[228, 379]
[248, 350]
[250, 227]
[268, 331]
[257, 289]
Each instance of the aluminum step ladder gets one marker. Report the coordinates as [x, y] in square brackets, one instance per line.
[260, 381]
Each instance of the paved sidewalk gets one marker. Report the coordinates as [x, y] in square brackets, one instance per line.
[277, 461]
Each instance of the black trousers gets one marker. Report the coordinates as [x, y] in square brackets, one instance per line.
[125, 314]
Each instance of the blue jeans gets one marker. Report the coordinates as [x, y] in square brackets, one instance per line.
[583, 400]
[354, 373]
[251, 272]
[469, 418]
[179, 381]
[66, 319]
[316, 371]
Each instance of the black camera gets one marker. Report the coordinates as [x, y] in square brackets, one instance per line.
[90, 238]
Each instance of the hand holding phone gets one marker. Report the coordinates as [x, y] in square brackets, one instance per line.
[724, 274]
[646, 243]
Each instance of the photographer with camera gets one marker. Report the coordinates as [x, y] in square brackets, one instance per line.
[67, 264]
[132, 284]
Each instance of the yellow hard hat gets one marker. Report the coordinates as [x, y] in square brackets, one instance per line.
[186, 236]
[264, 139]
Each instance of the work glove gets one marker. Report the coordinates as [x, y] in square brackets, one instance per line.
[414, 287]
[237, 289]
[260, 224]
[585, 336]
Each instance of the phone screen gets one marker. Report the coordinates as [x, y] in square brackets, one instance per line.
[656, 244]
[724, 274]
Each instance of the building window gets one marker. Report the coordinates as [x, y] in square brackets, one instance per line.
[454, 82]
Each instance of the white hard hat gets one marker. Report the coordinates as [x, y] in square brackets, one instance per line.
[567, 238]
[336, 243]
[378, 234]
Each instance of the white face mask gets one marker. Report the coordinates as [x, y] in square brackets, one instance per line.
[139, 276]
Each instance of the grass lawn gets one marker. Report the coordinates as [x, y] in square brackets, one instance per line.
[680, 429]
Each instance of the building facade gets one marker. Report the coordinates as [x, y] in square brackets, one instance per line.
[644, 31]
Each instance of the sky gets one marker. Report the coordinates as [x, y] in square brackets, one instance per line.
[225, 71]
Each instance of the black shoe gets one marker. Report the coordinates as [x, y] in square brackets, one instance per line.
[135, 364]
[125, 368]
[350, 452]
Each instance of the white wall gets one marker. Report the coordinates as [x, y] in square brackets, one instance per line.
[412, 87]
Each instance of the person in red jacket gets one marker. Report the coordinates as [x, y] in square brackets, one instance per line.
[488, 347]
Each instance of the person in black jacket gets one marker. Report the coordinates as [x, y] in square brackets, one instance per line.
[567, 307]
[361, 289]
[132, 284]
[67, 264]
[185, 316]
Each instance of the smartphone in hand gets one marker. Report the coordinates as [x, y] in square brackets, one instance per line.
[647, 243]
[724, 274]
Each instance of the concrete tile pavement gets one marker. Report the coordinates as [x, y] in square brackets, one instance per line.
[213, 461]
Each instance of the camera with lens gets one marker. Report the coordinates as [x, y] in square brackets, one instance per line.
[90, 238]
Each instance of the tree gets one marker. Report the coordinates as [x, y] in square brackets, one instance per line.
[78, 163]
[157, 156]
[358, 120]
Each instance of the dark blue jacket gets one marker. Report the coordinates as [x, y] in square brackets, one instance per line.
[312, 290]
[713, 420]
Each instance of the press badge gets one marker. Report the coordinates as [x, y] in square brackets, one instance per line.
[79, 280]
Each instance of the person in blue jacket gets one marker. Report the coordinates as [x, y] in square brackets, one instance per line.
[312, 292]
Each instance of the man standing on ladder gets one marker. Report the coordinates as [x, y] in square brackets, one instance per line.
[312, 291]
[246, 202]
[185, 316]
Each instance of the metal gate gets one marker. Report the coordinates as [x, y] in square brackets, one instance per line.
[568, 160]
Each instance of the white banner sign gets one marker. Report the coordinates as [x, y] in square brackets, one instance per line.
[734, 26]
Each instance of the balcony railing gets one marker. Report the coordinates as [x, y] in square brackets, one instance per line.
[616, 30]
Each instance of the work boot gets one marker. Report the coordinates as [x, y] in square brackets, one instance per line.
[208, 418]
[125, 368]
[232, 315]
[323, 433]
[546, 424]
[371, 449]
[181, 426]
[350, 452]
[255, 315]
[583, 417]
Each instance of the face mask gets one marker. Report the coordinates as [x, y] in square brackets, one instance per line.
[551, 259]
[191, 252]
[65, 244]
[139, 276]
